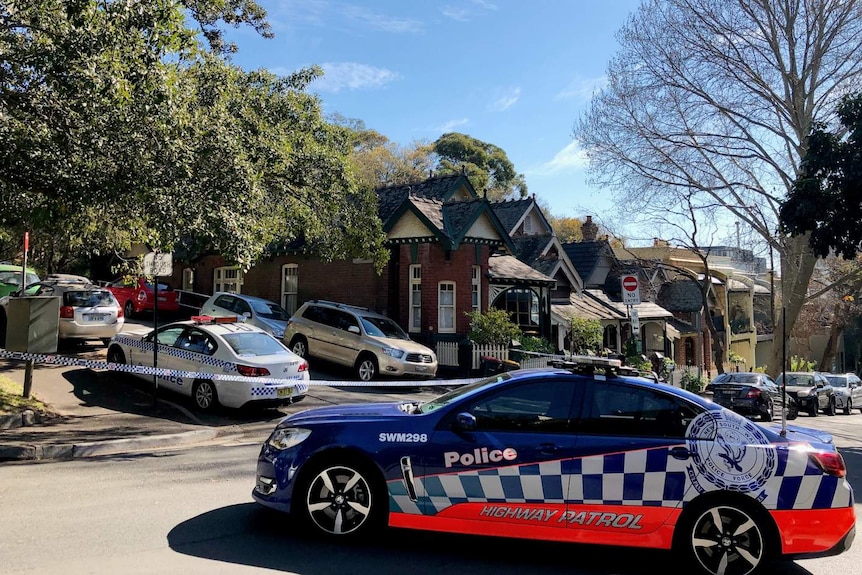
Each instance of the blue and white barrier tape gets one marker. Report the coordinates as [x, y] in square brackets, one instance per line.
[145, 370]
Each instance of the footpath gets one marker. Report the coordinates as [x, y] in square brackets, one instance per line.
[92, 415]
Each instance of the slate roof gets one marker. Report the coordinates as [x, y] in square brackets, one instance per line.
[439, 188]
[585, 307]
[510, 212]
[646, 309]
[681, 295]
[584, 256]
[509, 269]
[529, 250]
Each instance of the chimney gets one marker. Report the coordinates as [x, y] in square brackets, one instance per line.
[589, 230]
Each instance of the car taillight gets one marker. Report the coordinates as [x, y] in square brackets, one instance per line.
[67, 312]
[752, 393]
[249, 371]
[303, 366]
[119, 311]
[830, 462]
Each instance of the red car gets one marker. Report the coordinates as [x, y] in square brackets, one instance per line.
[136, 296]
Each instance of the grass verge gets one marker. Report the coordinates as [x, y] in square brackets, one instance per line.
[12, 399]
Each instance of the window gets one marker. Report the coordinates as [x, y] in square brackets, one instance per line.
[523, 307]
[228, 278]
[476, 289]
[289, 287]
[415, 298]
[541, 406]
[446, 307]
[188, 279]
[613, 409]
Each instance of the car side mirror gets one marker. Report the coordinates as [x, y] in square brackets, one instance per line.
[819, 384]
[464, 422]
[353, 329]
[246, 314]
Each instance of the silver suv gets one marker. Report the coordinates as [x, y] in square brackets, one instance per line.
[368, 342]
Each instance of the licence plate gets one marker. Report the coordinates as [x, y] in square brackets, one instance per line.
[421, 368]
[284, 392]
[163, 299]
[94, 317]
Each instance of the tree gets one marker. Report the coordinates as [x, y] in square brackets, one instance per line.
[825, 201]
[585, 336]
[121, 126]
[719, 98]
[487, 166]
[494, 326]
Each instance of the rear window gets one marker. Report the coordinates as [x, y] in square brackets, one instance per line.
[254, 343]
[88, 298]
[837, 380]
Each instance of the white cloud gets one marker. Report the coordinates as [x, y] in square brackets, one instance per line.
[485, 4]
[582, 88]
[457, 14]
[452, 124]
[569, 159]
[352, 76]
[381, 21]
[506, 100]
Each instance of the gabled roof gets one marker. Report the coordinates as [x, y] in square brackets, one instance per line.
[682, 295]
[439, 188]
[585, 255]
[646, 309]
[513, 212]
[533, 251]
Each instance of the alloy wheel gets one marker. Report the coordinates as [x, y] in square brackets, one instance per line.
[339, 500]
[726, 540]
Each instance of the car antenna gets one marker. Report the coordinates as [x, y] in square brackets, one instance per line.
[783, 373]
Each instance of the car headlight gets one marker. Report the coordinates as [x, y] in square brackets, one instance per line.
[803, 393]
[287, 437]
[393, 352]
[278, 334]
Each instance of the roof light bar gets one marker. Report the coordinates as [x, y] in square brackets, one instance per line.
[576, 360]
[209, 320]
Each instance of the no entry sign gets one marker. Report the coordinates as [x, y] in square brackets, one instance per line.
[631, 290]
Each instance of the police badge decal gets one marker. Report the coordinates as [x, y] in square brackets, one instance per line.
[725, 449]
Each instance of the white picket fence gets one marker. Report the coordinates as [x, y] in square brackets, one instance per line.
[447, 355]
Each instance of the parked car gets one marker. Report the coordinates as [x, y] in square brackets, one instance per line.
[10, 278]
[87, 311]
[136, 295]
[811, 390]
[368, 342]
[261, 312]
[848, 391]
[751, 394]
[578, 453]
[226, 353]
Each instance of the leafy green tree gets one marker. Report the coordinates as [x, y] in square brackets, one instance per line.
[488, 167]
[585, 336]
[493, 326]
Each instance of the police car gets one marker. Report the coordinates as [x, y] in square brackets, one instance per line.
[215, 361]
[581, 452]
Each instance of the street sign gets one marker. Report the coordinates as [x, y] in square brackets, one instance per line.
[635, 321]
[631, 290]
[158, 264]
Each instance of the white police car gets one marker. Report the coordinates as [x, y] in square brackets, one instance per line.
[216, 361]
[582, 453]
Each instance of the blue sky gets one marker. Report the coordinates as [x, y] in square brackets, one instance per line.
[513, 73]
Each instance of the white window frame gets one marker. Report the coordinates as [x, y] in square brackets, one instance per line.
[188, 279]
[228, 278]
[446, 311]
[415, 279]
[476, 289]
[290, 287]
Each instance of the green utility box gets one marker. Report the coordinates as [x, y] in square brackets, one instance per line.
[33, 324]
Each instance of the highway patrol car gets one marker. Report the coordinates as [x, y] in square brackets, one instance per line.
[581, 453]
[216, 361]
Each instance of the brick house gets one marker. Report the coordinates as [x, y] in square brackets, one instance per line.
[449, 255]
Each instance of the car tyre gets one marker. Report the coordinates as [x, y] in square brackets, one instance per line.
[204, 395]
[848, 407]
[769, 414]
[813, 411]
[129, 309]
[116, 355]
[343, 500]
[726, 537]
[793, 412]
[366, 367]
[299, 346]
[830, 409]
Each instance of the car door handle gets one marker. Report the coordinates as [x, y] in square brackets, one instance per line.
[548, 448]
[680, 453]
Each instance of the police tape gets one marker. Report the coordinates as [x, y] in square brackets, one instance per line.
[161, 372]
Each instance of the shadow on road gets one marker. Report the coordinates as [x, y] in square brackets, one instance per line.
[248, 534]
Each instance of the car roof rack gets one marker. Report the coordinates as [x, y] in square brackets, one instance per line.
[339, 304]
[590, 364]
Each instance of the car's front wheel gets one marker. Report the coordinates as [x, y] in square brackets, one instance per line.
[299, 346]
[726, 539]
[848, 407]
[342, 499]
[793, 411]
[830, 407]
[366, 368]
[204, 395]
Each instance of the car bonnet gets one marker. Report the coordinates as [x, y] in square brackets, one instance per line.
[348, 412]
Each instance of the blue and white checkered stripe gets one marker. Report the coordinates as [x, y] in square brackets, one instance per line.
[639, 478]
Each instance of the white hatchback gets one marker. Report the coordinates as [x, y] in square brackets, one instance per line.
[216, 361]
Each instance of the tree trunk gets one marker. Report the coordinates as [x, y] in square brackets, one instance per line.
[832, 342]
[797, 265]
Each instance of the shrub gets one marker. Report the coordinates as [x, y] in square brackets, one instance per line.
[536, 344]
[692, 381]
[492, 327]
[586, 335]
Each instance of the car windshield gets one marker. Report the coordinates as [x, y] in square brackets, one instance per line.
[799, 379]
[88, 298]
[837, 380]
[738, 378]
[254, 343]
[460, 392]
[383, 327]
[14, 278]
[269, 310]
